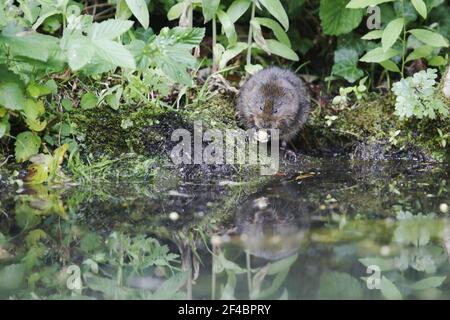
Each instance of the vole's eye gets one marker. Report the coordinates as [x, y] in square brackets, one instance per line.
[261, 108]
[275, 111]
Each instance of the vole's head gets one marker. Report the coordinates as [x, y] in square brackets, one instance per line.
[274, 104]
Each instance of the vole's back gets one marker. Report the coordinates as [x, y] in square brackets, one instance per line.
[274, 98]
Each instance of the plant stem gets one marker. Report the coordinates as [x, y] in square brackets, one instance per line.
[404, 40]
[215, 67]
[250, 35]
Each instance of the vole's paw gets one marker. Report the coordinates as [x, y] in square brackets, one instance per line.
[290, 155]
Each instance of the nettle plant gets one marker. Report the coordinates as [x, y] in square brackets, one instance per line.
[30, 61]
[214, 11]
[400, 43]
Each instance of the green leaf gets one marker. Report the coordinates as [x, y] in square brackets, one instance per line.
[88, 101]
[11, 96]
[430, 38]
[383, 264]
[427, 283]
[140, 11]
[378, 55]
[232, 53]
[79, 53]
[237, 9]
[389, 289]
[420, 7]
[437, 61]
[390, 66]
[373, 35]
[278, 31]
[391, 33]
[4, 127]
[358, 4]
[12, 277]
[109, 29]
[336, 19]
[346, 65]
[339, 285]
[27, 145]
[115, 53]
[419, 53]
[209, 8]
[43, 17]
[176, 11]
[24, 44]
[281, 50]
[228, 26]
[276, 9]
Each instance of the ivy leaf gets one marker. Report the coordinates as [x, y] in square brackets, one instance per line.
[27, 145]
[346, 65]
[336, 19]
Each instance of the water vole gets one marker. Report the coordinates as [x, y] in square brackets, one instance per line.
[274, 98]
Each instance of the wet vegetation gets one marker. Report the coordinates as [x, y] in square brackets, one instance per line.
[92, 207]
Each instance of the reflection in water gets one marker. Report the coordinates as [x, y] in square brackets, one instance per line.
[307, 235]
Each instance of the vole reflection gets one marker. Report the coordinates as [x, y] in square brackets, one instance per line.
[272, 223]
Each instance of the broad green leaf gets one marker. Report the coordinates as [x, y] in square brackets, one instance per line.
[4, 127]
[427, 283]
[115, 54]
[228, 26]
[109, 29]
[278, 31]
[176, 11]
[88, 101]
[27, 145]
[284, 264]
[378, 55]
[389, 289]
[232, 53]
[11, 96]
[336, 19]
[419, 53]
[12, 277]
[339, 285]
[391, 33]
[276, 9]
[390, 66]
[122, 10]
[346, 65]
[281, 50]
[209, 8]
[358, 4]
[430, 38]
[437, 61]
[373, 35]
[24, 44]
[258, 36]
[79, 53]
[42, 18]
[140, 11]
[420, 7]
[237, 9]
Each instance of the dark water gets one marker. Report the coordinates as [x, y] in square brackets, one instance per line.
[333, 230]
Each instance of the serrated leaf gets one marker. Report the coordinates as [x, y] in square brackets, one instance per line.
[391, 33]
[11, 96]
[79, 53]
[27, 145]
[115, 53]
[109, 29]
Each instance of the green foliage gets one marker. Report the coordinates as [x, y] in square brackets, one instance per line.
[418, 97]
